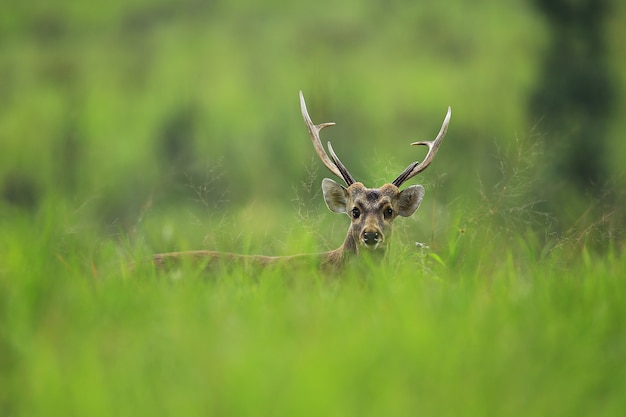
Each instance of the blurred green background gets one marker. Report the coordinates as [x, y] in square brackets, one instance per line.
[134, 127]
[170, 111]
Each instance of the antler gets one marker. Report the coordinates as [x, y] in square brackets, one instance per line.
[417, 167]
[334, 165]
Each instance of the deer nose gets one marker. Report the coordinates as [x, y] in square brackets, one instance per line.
[371, 238]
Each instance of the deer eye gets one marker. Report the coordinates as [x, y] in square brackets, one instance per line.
[388, 213]
[356, 213]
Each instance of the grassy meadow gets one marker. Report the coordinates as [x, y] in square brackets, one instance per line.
[132, 128]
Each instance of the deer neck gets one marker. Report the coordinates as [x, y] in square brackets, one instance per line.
[349, 246]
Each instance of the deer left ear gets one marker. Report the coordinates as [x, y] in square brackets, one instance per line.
[335, 195]
[409, 200]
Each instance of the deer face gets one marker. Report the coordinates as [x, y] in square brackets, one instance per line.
[372, 210]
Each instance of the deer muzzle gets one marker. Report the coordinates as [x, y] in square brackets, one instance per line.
[371, 239]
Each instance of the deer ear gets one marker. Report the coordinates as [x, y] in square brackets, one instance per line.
[409, 200]
[335, 195]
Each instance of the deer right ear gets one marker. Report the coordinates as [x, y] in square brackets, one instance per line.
[409, 200]
[335, 195]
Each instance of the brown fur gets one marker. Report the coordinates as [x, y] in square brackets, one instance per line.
[371, 203]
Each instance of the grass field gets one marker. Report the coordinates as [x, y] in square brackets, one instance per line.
[492, 324]
[135, 127]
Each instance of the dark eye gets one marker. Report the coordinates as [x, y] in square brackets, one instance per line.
[388, 213]
[356, 213]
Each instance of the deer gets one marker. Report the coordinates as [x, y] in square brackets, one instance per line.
[372, 211]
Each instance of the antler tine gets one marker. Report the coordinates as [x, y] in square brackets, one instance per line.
[335, 166]
[344, 171]
[417, 167]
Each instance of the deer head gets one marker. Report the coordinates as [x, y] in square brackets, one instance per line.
[371, 210]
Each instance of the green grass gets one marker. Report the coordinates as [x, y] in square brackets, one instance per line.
[487, 327]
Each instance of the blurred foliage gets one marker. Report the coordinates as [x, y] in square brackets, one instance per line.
[124, 109]
[140, 126]
[576, 94]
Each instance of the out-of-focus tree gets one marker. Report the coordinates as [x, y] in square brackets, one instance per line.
[574, 97]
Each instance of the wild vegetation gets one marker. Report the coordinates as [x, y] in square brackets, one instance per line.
[132, 128]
